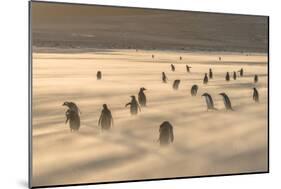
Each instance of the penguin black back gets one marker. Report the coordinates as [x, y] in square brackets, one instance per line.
[255, 95]
[227, 77]
[106, 119]
[210, 73]
[226, 101]
[164, 77]
[73, 118]
[194, 90]
[256, 78]
[241, 71]
[99, 75]
[142, 97]
[209, 101]
[173, 67]
[234, 75]
[205, 80]
[166, 133]
[176, 84]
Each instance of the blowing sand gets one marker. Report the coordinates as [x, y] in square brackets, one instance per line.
[206, 143]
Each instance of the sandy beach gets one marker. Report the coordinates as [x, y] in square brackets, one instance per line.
[206, 142]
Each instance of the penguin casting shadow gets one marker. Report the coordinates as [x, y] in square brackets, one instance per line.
[134, 106]
[194, 90]
[176, 84]
[106, 119]
[166, 134]
[209, 101]
[142, 97]
[226, 101]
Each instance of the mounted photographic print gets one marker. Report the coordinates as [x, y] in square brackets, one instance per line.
[120, 94]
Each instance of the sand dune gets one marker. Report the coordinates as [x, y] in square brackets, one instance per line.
[214, 142]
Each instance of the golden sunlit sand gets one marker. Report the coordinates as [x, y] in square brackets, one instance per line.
[206, 142]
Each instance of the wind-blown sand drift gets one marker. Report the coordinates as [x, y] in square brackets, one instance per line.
[206, 143]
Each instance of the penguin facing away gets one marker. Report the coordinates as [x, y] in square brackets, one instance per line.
[99, 75]
[72, 106]
[166, 134]
[210, 73]
[176, 84]
[134, 106]
[73, 118]
[234, 75]
[173, 67]
[164, 77]
[209, 101]
[194, 90]
[256, 78]
[188, 68]
[142, 97]
[255, 95]
[205, 80]
[227, 77]
[226, 101]
[106, 119]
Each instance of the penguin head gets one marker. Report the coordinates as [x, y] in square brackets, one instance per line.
[222, 94]
[205, 94]
[65, 103]
[142, 89]
[133, 97]
[104, 106]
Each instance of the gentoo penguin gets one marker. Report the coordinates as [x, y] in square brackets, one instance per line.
[234, 75]
[209, 101]
[227, 77]
[72, 106]
[106, 119]
[205, 80]
[142, 97]
[256, 79]
[176, 84]
[188, 68]
[241, 71]
[164, 77]
[73, 118]
[152, 56]
[255, 95]
[219, 58]
[99, 75]
[173, 67]
[180, 58]
[134, 106]
[166, 134]
[194, 90]
[210, 73]
[226, 101]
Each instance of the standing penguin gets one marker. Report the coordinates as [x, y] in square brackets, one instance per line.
[209, 101]
[205, 80]
[227, 77]
[142, 97]
[106, 119]
[241, 71]
[173, 67]
[166, 133]
[219, 58]
[176, 84]
[194, 90]
[73, 118]
[255, 95]
[72, 106]
[164, 77]
[226, 101]
[99, 75]
[134, 106]
[210, 73]
[188, 68]
[234, 75]
[180, 58]
[256, 78]
[152, 56]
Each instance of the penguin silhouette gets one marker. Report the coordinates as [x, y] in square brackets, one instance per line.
[226, 101]
[227, 77]
[72, 106]
[142, 97]
[205, 80]
[255, 95]
[164, 77]
[73, 118]
[176, 84]
[99, 75]
[209, 101]
[241, 72]
[173, 67]
[180, 58]
[166, 134]
[194, 90]
[106, 119]
[188, 68]
[256, 78]
[134, 106]
[219, 58]
[210, 73]
[234, 75]
[152, 56]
